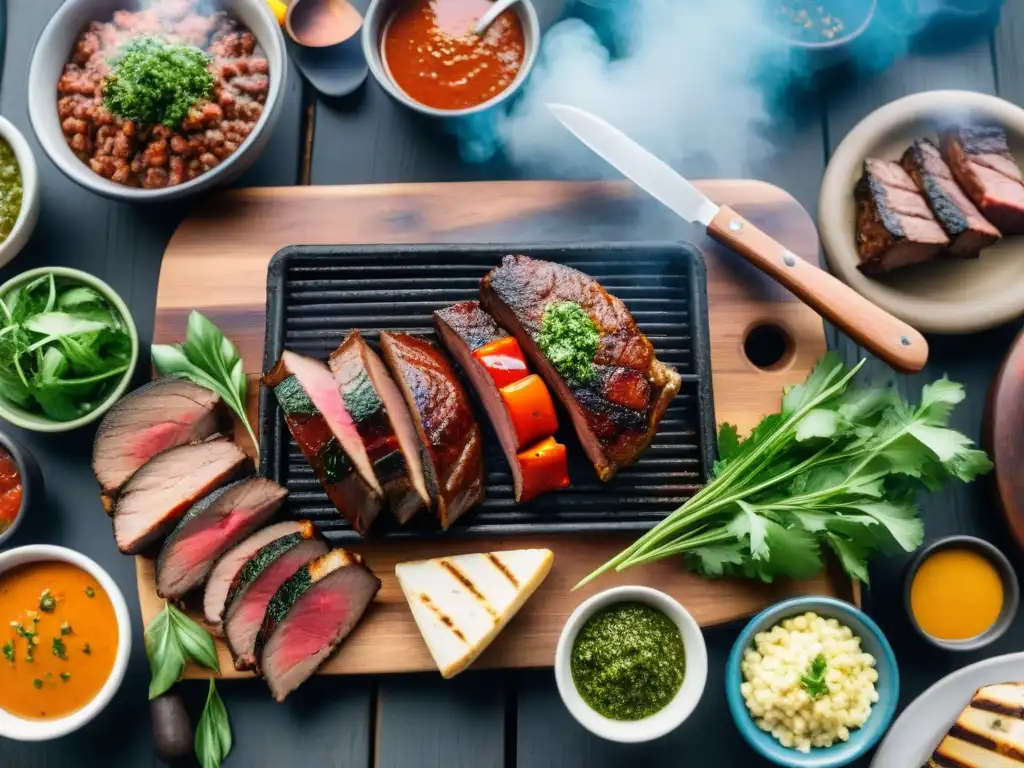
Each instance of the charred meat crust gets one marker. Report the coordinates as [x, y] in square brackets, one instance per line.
[444, 421]
[980, 159]
[612, 434]
[470, 324]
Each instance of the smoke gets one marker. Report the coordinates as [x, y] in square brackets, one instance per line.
[686, 87]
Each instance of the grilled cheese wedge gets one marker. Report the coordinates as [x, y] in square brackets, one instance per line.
[989, 733]
[461, 603]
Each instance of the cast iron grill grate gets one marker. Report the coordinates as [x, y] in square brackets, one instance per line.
[316, 294]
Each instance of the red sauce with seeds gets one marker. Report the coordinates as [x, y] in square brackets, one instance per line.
[432, 54]
[10, 491]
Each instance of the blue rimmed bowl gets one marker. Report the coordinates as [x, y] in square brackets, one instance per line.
[872, 641]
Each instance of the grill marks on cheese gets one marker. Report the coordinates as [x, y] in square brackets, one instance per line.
[461, 603]
[989, 733]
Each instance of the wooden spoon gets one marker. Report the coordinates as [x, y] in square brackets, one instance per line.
[322, 23]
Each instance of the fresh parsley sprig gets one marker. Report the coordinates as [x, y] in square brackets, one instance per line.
[814, 680]
[209, 359]
[839, 467]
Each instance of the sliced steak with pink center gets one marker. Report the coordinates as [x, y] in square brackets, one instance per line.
[310, 615]
[257, 582]
[981, 161]
[323, 429]
[210, 528]
[230, 563]
[383, 421]
[160, 493]
[157, 416]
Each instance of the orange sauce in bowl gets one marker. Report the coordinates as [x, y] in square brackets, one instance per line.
[58, 639]
[431, 52]
[956, 594]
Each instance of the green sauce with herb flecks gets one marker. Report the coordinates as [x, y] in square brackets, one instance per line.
[628, 661]
[568, 338]
[10, 190]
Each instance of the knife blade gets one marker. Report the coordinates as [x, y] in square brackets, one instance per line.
[881, 333]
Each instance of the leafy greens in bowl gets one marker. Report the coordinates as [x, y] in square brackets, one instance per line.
[68, 346]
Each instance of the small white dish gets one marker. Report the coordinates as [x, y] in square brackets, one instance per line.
[19, 729]
[29, 214]
[676, 711]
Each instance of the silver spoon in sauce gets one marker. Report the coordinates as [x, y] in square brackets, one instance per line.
[328, 50]
[499, 7]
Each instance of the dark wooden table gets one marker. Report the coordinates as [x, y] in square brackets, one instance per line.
[481, 719]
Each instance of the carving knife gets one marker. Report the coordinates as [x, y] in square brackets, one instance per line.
[881, 333]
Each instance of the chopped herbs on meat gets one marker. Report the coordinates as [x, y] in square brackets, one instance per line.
[569, 339]
[153, 81]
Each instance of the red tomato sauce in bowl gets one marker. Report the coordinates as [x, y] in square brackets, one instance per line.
[10, 491]
[430, 52]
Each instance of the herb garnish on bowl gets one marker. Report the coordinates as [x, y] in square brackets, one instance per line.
[154, 81]
[63, 348]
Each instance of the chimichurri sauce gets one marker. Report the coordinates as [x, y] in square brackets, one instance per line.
[628, 661]
[10, 190]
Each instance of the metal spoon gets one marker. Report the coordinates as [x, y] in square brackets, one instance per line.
[499, 7]
[322, 23]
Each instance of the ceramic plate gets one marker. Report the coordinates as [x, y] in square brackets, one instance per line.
[944, 296]
[915, 734]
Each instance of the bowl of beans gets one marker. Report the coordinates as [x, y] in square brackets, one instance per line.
[812, 683]
[156, 100]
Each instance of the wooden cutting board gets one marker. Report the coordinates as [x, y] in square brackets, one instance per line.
[217, 260]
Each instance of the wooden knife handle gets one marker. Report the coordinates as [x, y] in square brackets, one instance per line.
[882, 334]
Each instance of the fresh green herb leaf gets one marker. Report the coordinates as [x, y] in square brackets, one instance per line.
[172, 639]
[87, 649]
[208, 359]
[9, 651]
[213, 735]
[65, 628]
[90, 592]
[37, 683]
[59, 649]
[838, 467]
[153, 81]
[65, 676]
[47, 602]
[814, 680]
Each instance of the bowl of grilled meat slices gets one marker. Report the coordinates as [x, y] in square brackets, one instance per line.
[922, 210]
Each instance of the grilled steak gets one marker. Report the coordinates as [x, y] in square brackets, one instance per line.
[895, 226]
[310, 615]
[988, 734]
[162, 491]
[616, 413]
[162, 414]
[227, 567]
[454, 463]
[211, 527]
[967, 229]
[981, 161]
[465, 328]
[324, 430]
[250, 592]
[383, 422]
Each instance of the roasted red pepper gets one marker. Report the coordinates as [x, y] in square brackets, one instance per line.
[528, 403]
[545, 467]
[504, 360]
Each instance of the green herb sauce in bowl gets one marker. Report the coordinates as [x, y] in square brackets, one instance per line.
[68, 348]
[11, 189]
[628, 661]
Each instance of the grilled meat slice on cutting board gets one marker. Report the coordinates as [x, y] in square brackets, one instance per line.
[230, 563]
[323, 428]
[967, 229]
[981, 161]
[453, 455]
[210, 528]
[895, 226]
[310, 615]
[989, 733]
[616, 414]
[157, 496]
[383, 422]
[250, 592]
[162, 414]
[464, 329]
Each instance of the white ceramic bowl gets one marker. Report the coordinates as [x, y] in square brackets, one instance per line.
[52, 51]
[16, 728]
[29, 214]
[676, 711]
